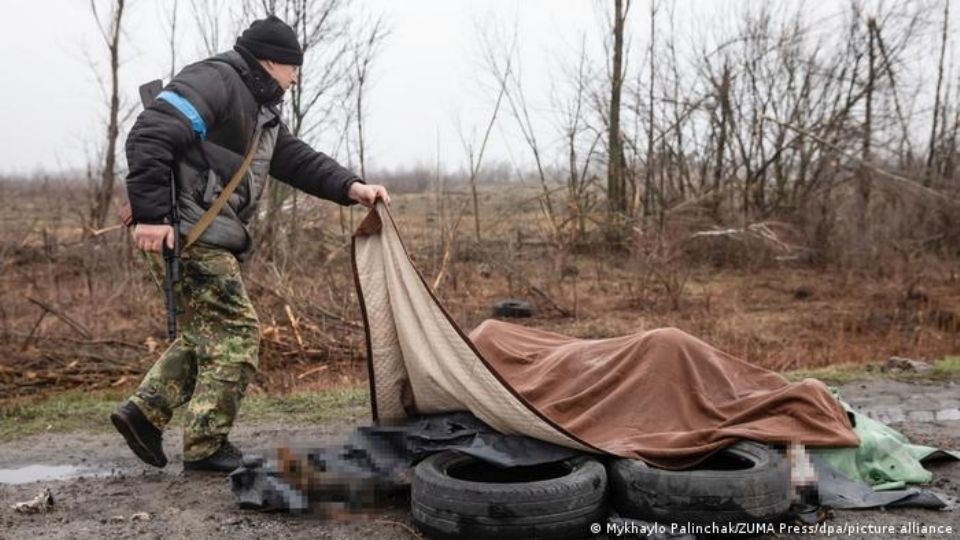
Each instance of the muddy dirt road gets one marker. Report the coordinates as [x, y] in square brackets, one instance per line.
[102, 486]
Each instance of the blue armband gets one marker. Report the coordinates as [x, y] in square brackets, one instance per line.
[187, 109]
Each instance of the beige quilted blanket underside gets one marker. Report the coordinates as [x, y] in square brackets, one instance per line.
[420, 361]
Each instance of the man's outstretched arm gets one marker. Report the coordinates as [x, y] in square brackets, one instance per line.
[316, 173]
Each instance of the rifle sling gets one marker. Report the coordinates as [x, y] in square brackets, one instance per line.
[207, 218]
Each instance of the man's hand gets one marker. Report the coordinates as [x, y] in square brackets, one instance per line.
[367, 195]
[152, 237]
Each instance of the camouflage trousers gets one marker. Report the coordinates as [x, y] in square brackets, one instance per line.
[213, 358]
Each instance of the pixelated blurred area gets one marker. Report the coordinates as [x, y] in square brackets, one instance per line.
[335, 482]
[372, 469]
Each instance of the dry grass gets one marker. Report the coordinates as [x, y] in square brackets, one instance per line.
[782, 315]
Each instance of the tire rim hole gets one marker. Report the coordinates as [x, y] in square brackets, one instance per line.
[726, 461]
[482, 472]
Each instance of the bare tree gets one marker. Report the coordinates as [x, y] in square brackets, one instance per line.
[218, 22]
[579, 154]
[648, 176]
[931, 149]
[110, 26]
[505, 70]
[867, 156]
[172, 41]
[364, 53]
[616, 177]
[475, 160]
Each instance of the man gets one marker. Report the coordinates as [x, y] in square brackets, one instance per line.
[202, 126]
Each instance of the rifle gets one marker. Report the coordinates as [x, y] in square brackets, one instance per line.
[171, 257]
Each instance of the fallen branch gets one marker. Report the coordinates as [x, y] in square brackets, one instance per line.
[760, 231]
[309, 309]
[26, 342]
[309, 372]
[105, 341]
[62, 316]
[97, 232]
[295, 327]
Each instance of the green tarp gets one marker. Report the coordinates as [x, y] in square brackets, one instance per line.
[885, 459]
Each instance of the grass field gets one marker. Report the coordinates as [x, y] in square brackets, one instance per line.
[83, 312]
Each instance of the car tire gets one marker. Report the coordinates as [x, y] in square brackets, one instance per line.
[513, 308]
[458, 496]
[747, 482]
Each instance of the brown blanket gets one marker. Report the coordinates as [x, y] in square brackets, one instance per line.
[662, 396]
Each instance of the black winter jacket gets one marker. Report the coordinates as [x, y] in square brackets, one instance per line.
[230, 95]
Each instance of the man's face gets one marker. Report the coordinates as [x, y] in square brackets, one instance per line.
[285, 74]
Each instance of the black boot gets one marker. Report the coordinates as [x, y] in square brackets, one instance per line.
[142, 437]
[227, 458]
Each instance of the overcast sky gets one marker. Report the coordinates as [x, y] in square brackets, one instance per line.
[428, 86]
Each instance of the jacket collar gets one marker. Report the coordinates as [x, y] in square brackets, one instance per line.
[265, 90]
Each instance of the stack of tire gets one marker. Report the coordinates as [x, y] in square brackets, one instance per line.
[458, 496]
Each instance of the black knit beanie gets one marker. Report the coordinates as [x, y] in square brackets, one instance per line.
[272, 39]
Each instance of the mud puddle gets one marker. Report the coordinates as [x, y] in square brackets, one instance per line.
[45, 473]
